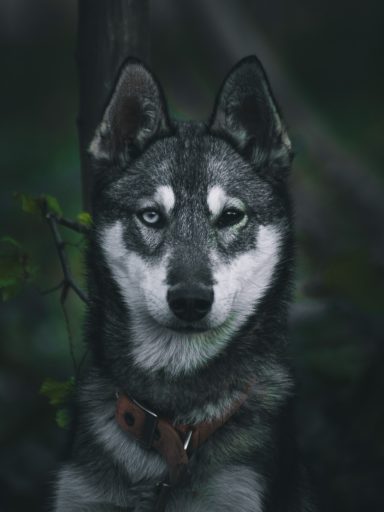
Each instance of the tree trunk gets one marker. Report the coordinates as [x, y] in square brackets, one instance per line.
[109, 31]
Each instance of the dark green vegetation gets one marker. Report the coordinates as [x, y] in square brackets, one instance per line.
[324, 61]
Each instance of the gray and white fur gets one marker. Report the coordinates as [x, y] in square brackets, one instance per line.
[189, 270]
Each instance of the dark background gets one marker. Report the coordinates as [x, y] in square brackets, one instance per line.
[325, 63]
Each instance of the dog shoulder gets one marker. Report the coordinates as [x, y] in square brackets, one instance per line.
[98, 426]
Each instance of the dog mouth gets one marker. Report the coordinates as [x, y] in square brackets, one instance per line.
[188, 329]
[183, 327]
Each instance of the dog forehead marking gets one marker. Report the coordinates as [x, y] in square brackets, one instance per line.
[216, 199]
[166, 197]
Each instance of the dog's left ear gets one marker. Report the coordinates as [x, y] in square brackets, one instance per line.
[247, 114]
[136, 113]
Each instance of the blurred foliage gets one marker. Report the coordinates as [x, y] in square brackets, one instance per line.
[39, 205]
[15, 268]
[60, 395]
[85, 219]
[58, 392]
[332, 54]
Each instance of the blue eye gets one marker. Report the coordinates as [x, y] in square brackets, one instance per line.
[230, 217]
[151, 218]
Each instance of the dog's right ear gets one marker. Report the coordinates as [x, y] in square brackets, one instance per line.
[135, 114]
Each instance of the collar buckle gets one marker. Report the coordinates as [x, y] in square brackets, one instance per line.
[187, 439]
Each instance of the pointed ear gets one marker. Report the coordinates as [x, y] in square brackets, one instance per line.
[135, 114]
[247, 114]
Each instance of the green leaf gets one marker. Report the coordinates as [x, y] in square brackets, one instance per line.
[29, 204]
[11, 276]
[58, 392]
[15, 267]
[10, 240]
[10, 266]
[52, 204]
[85, 219]
[63, 418]
[37, 205]
[9, 288]
[7, 281]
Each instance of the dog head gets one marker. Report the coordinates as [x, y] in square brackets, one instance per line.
[191, 218]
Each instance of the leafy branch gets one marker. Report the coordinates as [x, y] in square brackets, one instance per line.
[16, 270]
[81, 226]
[68, 282]
[59, 395]
[49, 209]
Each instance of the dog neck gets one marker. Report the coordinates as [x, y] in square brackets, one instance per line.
[175, 442]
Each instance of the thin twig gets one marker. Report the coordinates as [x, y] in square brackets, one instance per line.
[63, 298]
[52, 289]
[68, 281]
[71, 224]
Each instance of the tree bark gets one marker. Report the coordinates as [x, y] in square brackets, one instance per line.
[109, 31]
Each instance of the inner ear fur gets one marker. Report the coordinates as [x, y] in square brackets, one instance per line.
[247, 114]
[135, 114]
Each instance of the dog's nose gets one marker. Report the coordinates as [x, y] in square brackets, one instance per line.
[190, 303]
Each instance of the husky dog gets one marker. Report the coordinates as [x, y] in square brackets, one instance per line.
[189, 268]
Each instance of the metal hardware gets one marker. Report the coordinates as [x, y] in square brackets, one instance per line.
[164, 489]
[163, 484]
[187, 439]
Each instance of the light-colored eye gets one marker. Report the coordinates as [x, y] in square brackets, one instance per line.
[151, 218]
[230, 217]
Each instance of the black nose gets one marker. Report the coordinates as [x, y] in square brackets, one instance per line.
[190, 303]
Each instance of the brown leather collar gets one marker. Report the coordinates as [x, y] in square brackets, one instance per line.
[176, 443]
